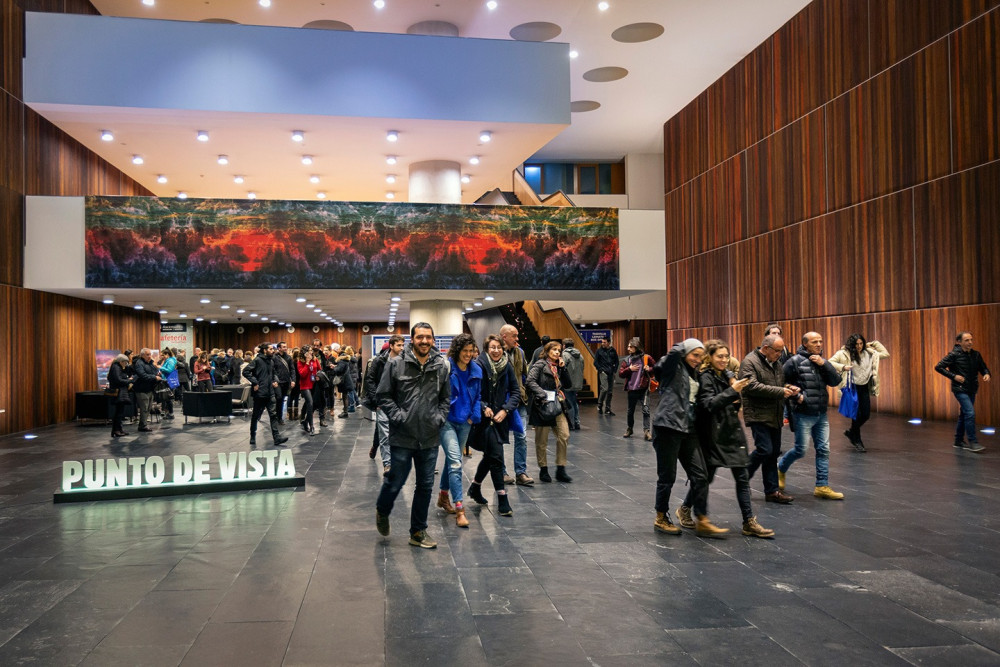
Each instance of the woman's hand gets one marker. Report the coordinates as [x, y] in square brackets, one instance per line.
[500, 416]
[488, 413]
[739, 385]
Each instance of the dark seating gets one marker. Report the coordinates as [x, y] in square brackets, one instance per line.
[95, 405]
[208, 404]
[241, 397]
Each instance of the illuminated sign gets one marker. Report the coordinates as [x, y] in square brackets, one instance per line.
[140, 476]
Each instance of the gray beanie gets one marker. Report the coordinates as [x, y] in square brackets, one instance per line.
[689, 345]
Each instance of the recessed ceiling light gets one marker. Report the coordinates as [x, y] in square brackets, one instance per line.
[224, 306]
[468, 307]
[106, 135]
[137, 159]
[182, 195]
[199, 319]
[392, 135]
[395, 297]
[310, 306]
[594, 324]
[491, 5]
[205, 299]
[241, 310]
[264, 319]
[466, 178]
[297, 135]
[238, 180]
[149, 3]
[108, 298]
[251, 195]
[202, 135]
[488, 297]
[162, 312]
[182, 315]
[213, 322]
[300, 299]
[603, 6]
[307, 159]
[379, 4]
[391, 178]
[138, 306]
[321, 195]
[390, 195]
[254, 315]
[474, 160]
[485, 136]
[264, 3]
[223, 159]
[390, 159]
[574, 54]
[477, 303]
[314, 179]
[161, 179]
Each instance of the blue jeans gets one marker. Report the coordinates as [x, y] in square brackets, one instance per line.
[817, 426]
[966, 418]
[382, 427]
[453, 437]
[520, 446]
[423, 460]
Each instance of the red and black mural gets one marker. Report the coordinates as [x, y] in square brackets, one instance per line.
[229, 243]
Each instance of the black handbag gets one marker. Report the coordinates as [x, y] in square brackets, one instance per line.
[550, 409]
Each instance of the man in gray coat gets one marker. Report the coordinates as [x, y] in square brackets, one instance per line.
[574, 366]
[414, 393]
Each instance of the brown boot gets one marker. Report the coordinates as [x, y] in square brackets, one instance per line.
[460, 519]
[664, 525]
[445, 503]
[704, 528]
[647, 435]
[684, 517]
[753, 529]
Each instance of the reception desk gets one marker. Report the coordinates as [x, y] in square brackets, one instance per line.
[95, 405]
[207, 404]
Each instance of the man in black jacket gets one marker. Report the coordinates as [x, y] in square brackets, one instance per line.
[286, 374]
[963, 366]
[264, 385]
[606, 363]
[392, 349]
[143, 383]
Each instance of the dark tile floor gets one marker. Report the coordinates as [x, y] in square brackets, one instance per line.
[905, 570]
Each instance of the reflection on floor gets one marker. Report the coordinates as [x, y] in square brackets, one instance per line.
[905, 570]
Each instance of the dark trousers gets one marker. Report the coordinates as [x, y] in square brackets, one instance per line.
[742, 480]
[672, 446]
[864, 410]
[307, 407]
[767, 449]
[606, 387]
[282, 392]
[261, 403]
[491, 463]
[637, 397]
[424, 461]
[319, 396]
[116, 420]
[205, 385]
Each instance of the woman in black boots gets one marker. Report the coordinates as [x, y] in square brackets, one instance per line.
[544, 384]
[118, 382]
[500, 398]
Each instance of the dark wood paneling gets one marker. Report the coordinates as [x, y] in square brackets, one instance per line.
[819, 54]
[224, 336]
[11, 238]
[677, 214]
[958, 221]
[718, 206]
[892, 131]
[740, 110]
[975, 84]
[900, 28]
[768, 271]
[786, 182]
[685, 139]
[11, 46]
[11, 146]
[899, 390]
[697, 295]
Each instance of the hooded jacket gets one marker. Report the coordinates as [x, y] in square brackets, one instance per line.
[674, 411]
[574, 366]
[260, 373]
[969, 365]
[415, 398]
[812, 379]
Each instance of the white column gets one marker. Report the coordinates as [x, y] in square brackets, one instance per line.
[444, 316]
[435, 182]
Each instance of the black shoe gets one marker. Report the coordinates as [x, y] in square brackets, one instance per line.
[145, 429]
[609, 413]
[305, 426]
[600, 410]
[280, 440]
[342, 415]
[503, 505]
[959, 444]
[169, 416]
[118, 434]
[382, 524]
[281, 422]
[859, 446]
[975, 447]
[476, 493]
[543, 474]
[253, 440]
[561, 475]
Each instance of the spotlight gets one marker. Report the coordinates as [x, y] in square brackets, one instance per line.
[108, 298]
[395, 297]
[254, 315]
[391, 178]
[474, 160]
[137, 159]
[202, 135]
[307, 159]
[485, 136]
[297, 135]
[390, 159]
[989, 430]
[106, 135]
[205, 299]
[161, 179]
[30, 436]
[392, 135]
[314, 179]
[238, 180]
[223, 159]
[182, 195]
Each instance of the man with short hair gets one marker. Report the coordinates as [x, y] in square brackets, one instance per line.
[144, 380]
[286, 377]
[812, 374]
[573, 361]
[394, 348]
[264, 386]
[606, 363]
[538, 350]
[415, 394]
[963, 366]
[515, 355]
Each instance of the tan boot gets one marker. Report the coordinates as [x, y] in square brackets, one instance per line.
[705, 528]
[460, 519]
[664, 525]
[445, 503]
[684, 517]
[753, 529]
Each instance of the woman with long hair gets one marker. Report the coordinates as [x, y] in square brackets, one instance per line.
[544, 384]
[203, 372]
[860, 358]
[466, 379]
[307, 368]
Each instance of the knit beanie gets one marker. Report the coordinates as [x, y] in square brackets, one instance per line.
[689, 345]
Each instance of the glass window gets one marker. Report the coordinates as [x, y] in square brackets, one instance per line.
[588, 179]
[533, 175]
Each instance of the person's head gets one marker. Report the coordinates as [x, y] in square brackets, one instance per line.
[197, 351]
[146, 354]
[238, 354]
[282, 347]
[508, 334]
[773, 328]
[568, 342]
[855, 344]
[203, 357]
[813, 342]
[307, 354]
[494, 347]
[166, 352]
[128, 353]
[605, 342]
[546, 340]
[121, 360]
[964, 339]
[396, 344]
[317, 343]
[265, 348]
[462, 349]
[335, 347]
[716, 355]
[635, 346]
[348, 351]
[229, 352]
[693, 351]
[421, 339]
[552, 350]
[772, 347]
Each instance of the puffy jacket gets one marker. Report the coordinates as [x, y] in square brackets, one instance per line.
[720, 433]
[343, 369]
[969, 365]
[540, 380]
[465, 401]
[504, 396]
[812, 379]
[415, 398]
[674, 411]
[260, 373]
[574, 366]
[146, 376]
[763, 398]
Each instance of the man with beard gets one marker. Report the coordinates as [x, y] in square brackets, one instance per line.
[264, 386]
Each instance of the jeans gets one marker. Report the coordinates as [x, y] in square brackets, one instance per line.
[966, 418]
[742, 490]
[635, 398]
[767, 449]
[259, 405]
[864, 410]
[281, 394]
[520, 445]
[401, 460]
[671, 446]
[817, 426]
[574, 408]
[561, 429]
[382, 432]
[453, 438]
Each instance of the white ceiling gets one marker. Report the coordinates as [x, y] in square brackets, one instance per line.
[701, 41]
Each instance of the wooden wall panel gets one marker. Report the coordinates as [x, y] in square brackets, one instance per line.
[740, 105]
[958, 219]
[786, 182]
[819, 54]
[718, 206]
[686, 135]
[698, 293]
[975, 83]
[208, 336]
[892, 131]
[11, 46]
[677, 213]
[767, 271]
[11, 238]
[899, 390]
[11, 139]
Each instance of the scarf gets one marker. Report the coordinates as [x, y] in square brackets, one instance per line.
[498, 368]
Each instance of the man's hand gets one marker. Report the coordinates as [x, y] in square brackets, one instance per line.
[790, 391]
[986, 378]
[256, 387]
[816, 359]
[500, 416]
[960, 379]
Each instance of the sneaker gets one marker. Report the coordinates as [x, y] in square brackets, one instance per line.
[524, 480]
[600, 410]
[781, 481]
[827, 493]
[975, 447]
[382, 523]
[609, 413]
[420, 539]
[753, 529]
[959, 445]
[253, 440]
[859, 447]
[684, 517]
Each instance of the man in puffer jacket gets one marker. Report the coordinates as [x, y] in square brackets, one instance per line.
[808, 370]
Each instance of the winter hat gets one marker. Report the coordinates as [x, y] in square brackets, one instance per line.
[689, 345]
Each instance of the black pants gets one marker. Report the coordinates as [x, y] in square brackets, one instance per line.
[319, 399]
[492, 463]
[282, 392]
[742, 490]
[637, 397]
[767, 449]
[864, 410]
[205, 385]
[116, 420]
[671, 446]
[261, 403]
[307, 407]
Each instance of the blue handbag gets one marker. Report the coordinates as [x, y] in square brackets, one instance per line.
[173, 379]
[849, 398]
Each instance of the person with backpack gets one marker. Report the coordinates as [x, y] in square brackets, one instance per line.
[635, 369]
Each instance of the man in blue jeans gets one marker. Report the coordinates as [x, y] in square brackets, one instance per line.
[508, 334]
[963, 366]
[812, 374]
[414, 393]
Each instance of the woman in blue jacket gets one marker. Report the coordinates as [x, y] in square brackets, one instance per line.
[466, 380]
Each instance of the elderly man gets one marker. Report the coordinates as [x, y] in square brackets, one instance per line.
[515, 355]
[143, 384]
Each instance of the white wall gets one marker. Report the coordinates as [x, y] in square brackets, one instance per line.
[54, 243]
[644, 181]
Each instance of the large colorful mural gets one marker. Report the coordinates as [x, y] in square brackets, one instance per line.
[224, 243]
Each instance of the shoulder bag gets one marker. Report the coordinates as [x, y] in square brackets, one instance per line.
[849, 398]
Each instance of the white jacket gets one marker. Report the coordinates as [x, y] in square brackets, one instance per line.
[842, 358]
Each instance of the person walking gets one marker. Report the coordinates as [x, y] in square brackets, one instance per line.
[306, 369]
[264, 386]
[546, 378]
[635, 370]
[860, 359]
[963, 366]
[606, 363]
[574, 366]
[516, 357]
[465, 410]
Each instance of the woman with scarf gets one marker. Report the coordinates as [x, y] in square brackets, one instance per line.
[635, 370]
[544, 384]
[500, 398]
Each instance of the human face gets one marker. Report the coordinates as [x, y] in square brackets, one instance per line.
[423, 339]
[720, 359]
[814, 344]
[283, 347]
[229, 352]
[631, 349]
[966, 342]
[773, 331]
[509, 338]
[859, 345]
[396, 348]
[555, 352]
[773, 352]
[605, 343]
[309, 356]
[465, 354]
[147, 355]
[495, 350]
[694, 357]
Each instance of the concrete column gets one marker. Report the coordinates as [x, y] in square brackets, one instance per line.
[444, 316]
[435, 182]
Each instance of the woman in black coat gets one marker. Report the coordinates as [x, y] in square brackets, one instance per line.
[345, 370]
[720, 434]
[549, 374]
[118, 379]
[500, 397]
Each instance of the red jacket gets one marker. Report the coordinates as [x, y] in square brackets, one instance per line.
[307, 373]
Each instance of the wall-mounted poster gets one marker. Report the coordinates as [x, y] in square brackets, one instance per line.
[104, 359]
[149, 242]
